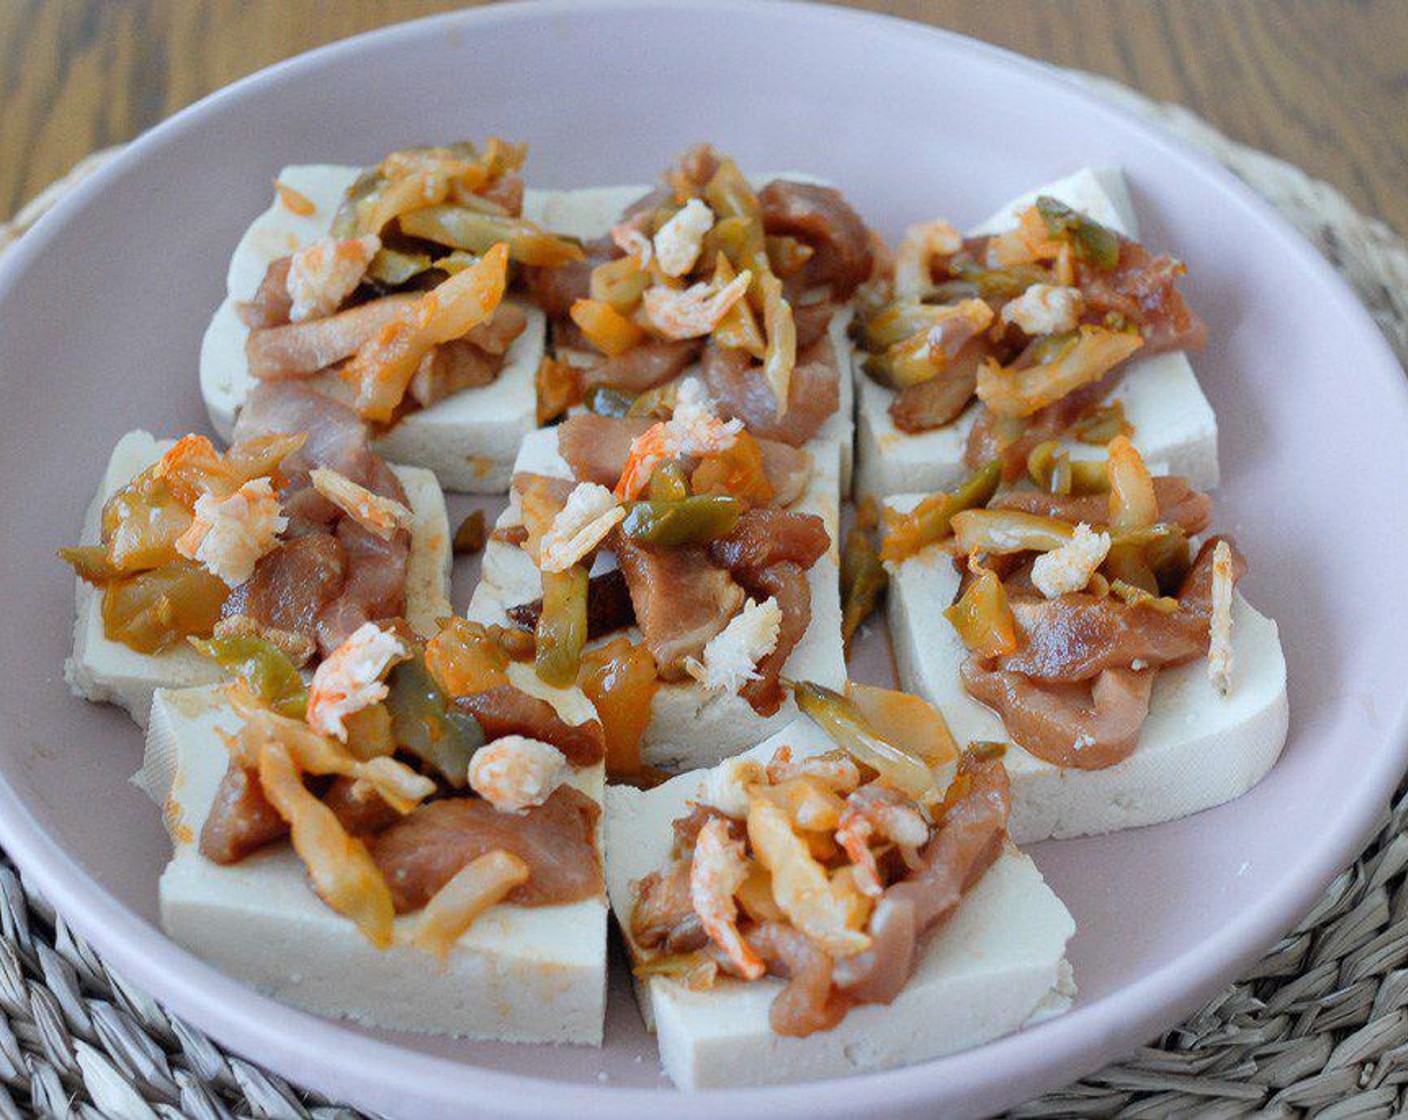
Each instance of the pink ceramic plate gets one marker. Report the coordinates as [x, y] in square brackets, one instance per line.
[101, 313]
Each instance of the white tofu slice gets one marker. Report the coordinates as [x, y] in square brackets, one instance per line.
[590, 213]
[1197, 749]
[105, 671]
[997, 965]
[468, 440]
[518, 974]
[1172, 419]
[688, 726]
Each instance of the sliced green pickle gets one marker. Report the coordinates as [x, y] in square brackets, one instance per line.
[427, 725]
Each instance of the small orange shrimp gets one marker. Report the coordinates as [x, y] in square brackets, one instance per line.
[351, 678]
[648, 450]
[691, 433]
[872, 811]
[835, 771]
[694, 311]
[322, 275]
[378, 515]
[718, 870]
[515, 772]
[629, 238]
[854, 838]
[227, 536]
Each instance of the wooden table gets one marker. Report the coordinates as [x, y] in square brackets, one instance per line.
[1322, 83]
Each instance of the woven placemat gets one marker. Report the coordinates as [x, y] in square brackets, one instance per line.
[1318, 1028]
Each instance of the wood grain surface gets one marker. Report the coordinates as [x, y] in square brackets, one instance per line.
[1322, 83]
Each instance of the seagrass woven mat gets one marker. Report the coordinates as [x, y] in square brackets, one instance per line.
[1318, 1028]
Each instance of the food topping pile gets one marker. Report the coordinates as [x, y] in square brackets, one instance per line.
[411, 776]
[1038, 323]
[297, 538]
[1078, 585]
[705, 270]
[401, 304]
[828, 870]
[685, 520]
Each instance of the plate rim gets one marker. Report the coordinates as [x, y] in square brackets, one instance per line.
[293, 1042]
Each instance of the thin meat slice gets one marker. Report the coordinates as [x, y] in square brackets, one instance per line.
[424, 850]
[336, 436]
[663, 916]
[375, 584]
[308, 512]
[271, 304]
[555, 289]
[1142, 288]
[810, 1002]
[642, 367]
[787, 583]
[1196, 593]
[823, 219]
[1070, 694]
[506, 710]
[358, 808]
[688, 827]
[764, 537]
[681, 600]
[967, 841]
[1179, 504]
[381, 479]
[934, 403]
[740, 392]
[331, 575]
[470, 362]
[240, 820]
[1076, 637]
[496, 334]
[788, 470]
[596, 447]
[451, 368]
[811, 321]
[296, 350]
[555, 489]
[1074, 726]
[941, 399]
[292, 585]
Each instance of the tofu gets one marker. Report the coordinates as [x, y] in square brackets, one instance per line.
[688, 726]
[998, 964]
[468, 440]
[1197, 749]
[518, 974]
[1172, 419]
[590, 213]
[109, 672]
